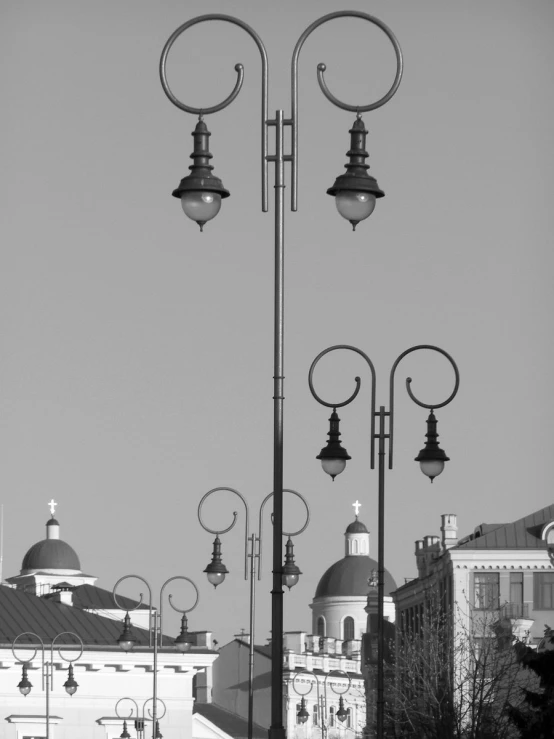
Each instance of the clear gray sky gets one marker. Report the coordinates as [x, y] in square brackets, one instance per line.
[136, 353]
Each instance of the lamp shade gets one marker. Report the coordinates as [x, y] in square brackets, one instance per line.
[342, 713]
[216, 570]
[185, 640]
[302, 714]
[356, 191]
[70, 684]
[291, 572]
[126, 641]
[333, 456]
[24, 685]
[201, 191]
[432, 458]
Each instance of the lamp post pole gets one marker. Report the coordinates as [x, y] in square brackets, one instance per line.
[155, 629]
[140, 722]
[431, 458]
[216, 570]
[70, 684]
[201, 194]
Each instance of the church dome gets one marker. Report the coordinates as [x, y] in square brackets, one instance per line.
[357, 527]
[51, 554]
[349, 577]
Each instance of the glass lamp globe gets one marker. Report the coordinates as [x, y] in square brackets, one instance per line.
[182, 646]
[290, 579]
[200, 205]
[70, 684]
[355, 206]
[25, 685]
[432, 467]
[333, 466]
[215, 578]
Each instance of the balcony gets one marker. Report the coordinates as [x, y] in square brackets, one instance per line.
[514, 621]
[514, 610]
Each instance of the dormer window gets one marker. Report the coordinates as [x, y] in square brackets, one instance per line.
[548, 534]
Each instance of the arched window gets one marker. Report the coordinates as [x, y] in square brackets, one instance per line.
[348, 628]
[355, 546]
[321, 626]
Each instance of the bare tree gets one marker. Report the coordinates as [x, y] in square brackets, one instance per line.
[456, 674]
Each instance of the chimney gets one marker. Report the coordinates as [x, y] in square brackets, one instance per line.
[420, 558]
[449, 530]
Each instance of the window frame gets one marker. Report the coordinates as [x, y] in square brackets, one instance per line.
[486, 594]
[538, 590]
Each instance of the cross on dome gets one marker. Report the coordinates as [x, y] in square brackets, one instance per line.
[356, 506]
[52, 505]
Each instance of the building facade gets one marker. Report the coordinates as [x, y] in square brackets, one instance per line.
[53, 599]
[319, 668]
[472, 597]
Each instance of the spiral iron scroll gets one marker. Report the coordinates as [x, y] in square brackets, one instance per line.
[217, 532]
[321, 68]
[391, 388]
[239, 69]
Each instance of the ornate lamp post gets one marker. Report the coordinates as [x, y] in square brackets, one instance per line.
[140, 720]
[181, 643]
[303, 713]
[431, 459]
[70, 685]
[216, 570]
[201, 194]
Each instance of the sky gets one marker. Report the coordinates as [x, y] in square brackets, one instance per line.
[136, 354]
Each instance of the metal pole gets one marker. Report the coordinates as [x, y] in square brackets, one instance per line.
[277, 730]
[251, 645]
[155, 686]
[46, 670]
[381, 577]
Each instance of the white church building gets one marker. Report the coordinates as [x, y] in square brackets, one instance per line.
[52, 596]
[320, 667]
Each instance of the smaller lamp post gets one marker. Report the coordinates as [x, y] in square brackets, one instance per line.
[216, 570]
[25, 686]
[321, 698]
[182, 643]
[140, 720]
[334, 457]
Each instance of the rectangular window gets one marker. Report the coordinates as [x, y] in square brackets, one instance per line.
[516, 587]
[544, 591]
[486, 590]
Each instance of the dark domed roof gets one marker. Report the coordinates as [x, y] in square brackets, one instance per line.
[349, 576]
[51, 554]
[52, 522]
[357, 527]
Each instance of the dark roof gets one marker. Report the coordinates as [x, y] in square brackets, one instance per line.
[233, 724]
[95, 598]
[349, 576]
[51, 554]
[21, 612]
[52, 522]
[525, 533]
[357, 527]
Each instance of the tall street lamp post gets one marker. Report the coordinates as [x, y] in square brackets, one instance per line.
[341, 713]
[70, 684]
[140, 720]
[355, 192]
[182, 643]
[216, 570]
[334, 457]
